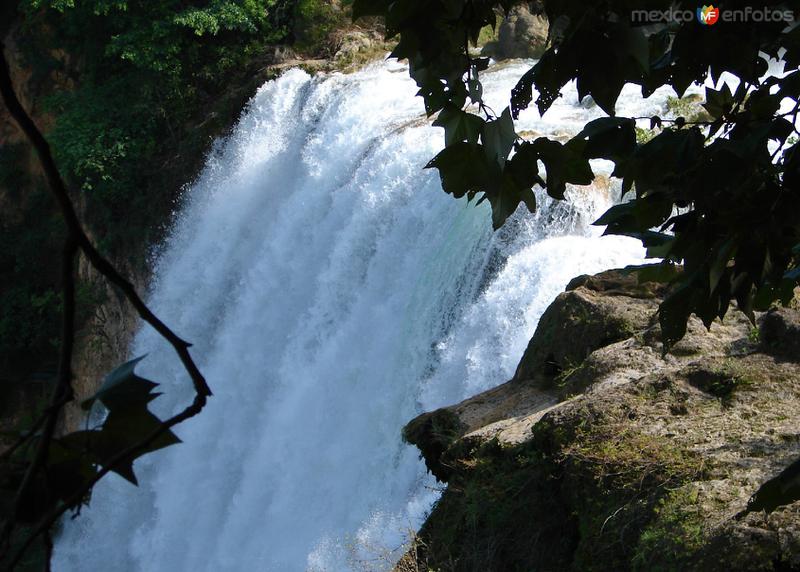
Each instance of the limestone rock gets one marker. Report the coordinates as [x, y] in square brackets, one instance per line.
[522, 34]
[594, 312]
[353, 45]
[624, 459]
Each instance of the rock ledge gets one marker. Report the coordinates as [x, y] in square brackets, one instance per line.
[601, 454]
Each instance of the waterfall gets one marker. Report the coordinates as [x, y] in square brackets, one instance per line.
[332, 292]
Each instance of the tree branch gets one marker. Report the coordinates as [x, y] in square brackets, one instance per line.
[77, 240]
[74, 228]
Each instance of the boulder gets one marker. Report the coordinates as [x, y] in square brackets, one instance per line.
[522, 34]
[593, 312]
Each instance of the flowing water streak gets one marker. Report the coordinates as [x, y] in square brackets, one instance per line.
[332, 292]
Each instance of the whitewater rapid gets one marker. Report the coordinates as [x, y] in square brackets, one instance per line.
[332, 292]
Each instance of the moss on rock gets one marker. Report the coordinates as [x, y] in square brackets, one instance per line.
[593, 312]
[647, 465]
[433, 434]
[575, 495]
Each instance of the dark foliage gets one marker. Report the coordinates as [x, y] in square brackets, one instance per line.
[719, 196]
[52, 475]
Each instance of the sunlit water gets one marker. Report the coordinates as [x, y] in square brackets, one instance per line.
[332, 292]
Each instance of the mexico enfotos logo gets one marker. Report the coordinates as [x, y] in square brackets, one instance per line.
[710, 15]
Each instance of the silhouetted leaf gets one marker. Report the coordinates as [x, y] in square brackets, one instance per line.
[459, 125]
[662, 272]
[673, 314]
[475, 90]
[718, 102]
[128, 423]
[498, 137]
[363, 8]
[612, 138]
[505, 199]
[696, 185]
[462, 168]
[522, 94]
[122, 387]
[562, 165]
[524, 167]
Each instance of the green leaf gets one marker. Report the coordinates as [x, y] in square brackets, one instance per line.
[459, 125]
[673, 313]
[462, 168]
[498, 137]
[612, 138]
[563, 165]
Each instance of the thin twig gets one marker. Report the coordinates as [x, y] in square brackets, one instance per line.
[75, 229]
[62, 392]
[78, 240]
[30, 433]
[131, 452]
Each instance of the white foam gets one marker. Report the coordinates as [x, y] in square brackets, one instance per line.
[332, 292]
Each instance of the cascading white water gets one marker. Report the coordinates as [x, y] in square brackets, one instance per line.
[332, 292]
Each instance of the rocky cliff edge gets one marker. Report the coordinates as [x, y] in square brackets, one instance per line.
[604, 454]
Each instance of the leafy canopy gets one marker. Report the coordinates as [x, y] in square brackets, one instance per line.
[720, 196]
[142, 78]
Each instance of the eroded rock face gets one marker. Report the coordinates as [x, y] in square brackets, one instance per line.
[626, 459]
[593, 312]
[522, 34]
